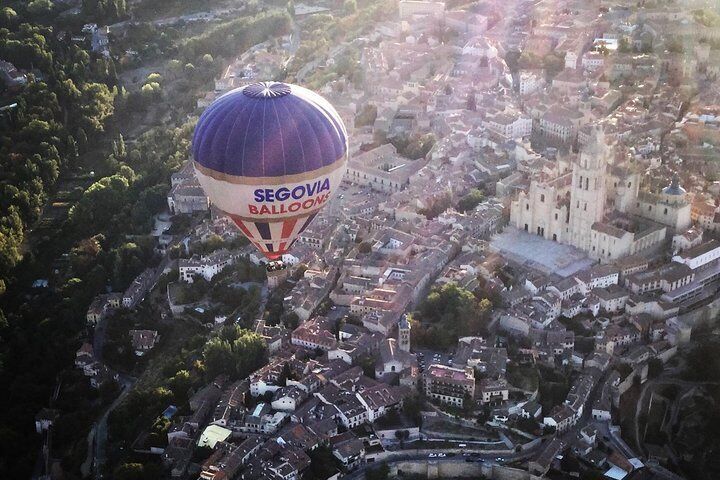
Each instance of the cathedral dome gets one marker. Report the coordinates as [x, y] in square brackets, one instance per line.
[674, 188]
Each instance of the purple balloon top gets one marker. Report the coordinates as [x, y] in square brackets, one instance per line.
[268, 129]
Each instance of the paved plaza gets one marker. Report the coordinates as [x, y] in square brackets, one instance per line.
[540, 254]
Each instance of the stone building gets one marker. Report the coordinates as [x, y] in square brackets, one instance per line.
[594, 204]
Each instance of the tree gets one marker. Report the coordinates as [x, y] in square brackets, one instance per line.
[151, 91]
[137, 471]
[97, 105]
[624, 45]
[471, 102]
[448, 312]
[402, 436]
[323, 464]
[655, 367]
[180, 384]
[238, 354]
[470, 200]
[365, 247]
[569, 463]
[39, 7]
[553, 64]
[8, 16]
[156, 77]
[412, 407]
[175, 67]
[366, 116]
[350, 7]
[382, 472]
[468, 404]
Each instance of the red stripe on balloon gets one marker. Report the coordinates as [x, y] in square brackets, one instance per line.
[288, 227]
[242, 227]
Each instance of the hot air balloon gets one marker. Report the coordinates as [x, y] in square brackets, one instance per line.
[270, 155]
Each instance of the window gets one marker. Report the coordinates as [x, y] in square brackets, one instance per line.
[649, 208]
[556, 216]
[527, 206]
[665, 212]
[542, 198]
[555, 236]
[526, 227]
[585, 207]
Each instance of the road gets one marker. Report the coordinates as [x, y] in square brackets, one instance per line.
[99, 431]
[421, 455]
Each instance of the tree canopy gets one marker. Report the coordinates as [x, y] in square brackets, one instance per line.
[235, 352]
[447, 313]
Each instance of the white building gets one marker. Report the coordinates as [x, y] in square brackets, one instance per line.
[530, 82]
[509, 126]
[207, 266]
[700, 255]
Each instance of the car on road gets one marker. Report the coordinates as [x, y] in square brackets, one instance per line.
[441, 455]
[432, 455]
[499, 459]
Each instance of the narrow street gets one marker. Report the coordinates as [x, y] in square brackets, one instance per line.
[100, 429]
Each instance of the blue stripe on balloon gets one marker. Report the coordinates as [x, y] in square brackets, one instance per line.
[264, 230]
[307, 222]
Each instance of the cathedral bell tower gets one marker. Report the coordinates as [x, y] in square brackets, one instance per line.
[588, 194]
[404, 334]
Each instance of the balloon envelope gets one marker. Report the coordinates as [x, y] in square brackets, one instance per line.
[270, 155]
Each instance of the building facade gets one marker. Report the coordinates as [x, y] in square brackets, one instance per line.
[592, 204]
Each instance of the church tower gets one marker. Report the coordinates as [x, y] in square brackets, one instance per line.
[404, 334]
[588, 191]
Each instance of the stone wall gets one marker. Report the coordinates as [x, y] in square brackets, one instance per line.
[433, 469]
